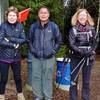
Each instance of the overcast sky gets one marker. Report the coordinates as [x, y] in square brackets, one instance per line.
[65, 2]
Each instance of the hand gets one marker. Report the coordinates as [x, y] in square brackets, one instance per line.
[16, 46]
[89, 53]
[93, 53]
[54, 52]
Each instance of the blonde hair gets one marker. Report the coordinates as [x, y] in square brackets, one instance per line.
[75, 18]
[11, 9]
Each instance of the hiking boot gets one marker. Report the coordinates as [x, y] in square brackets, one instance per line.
[20, 96]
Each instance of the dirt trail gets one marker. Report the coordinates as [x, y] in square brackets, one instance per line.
[59, 94]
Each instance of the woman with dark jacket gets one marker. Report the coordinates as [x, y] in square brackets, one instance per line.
[82, 41]
[11, 38]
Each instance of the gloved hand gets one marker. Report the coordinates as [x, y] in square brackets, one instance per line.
[93, 52]
[92, 57]
[89, 53]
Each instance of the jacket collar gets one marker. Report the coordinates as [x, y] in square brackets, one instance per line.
[45, 25]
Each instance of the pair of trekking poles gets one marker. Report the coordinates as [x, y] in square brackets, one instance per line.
[79, 66]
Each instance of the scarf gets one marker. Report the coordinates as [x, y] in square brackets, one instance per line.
[82, 28]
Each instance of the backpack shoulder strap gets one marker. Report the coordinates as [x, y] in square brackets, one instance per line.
[32, 30]
[53, 27]
[74, 31]
[34, 26]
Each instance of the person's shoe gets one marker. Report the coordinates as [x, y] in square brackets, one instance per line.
[37, 98]
[2, 97]
[28, 87]
[20, 96]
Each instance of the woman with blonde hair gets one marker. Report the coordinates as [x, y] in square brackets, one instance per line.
[12, 36]
[82, 41]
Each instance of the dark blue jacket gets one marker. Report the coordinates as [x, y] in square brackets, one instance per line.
[44, 41]
[15, 34]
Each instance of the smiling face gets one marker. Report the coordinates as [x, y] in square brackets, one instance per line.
[82, 17]
[43, 14]
[12, 17]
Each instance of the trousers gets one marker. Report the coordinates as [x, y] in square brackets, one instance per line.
[86, 73]
[4, 69]
[42, 77]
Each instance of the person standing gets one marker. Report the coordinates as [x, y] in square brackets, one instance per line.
[83, 43]
[45, 40]
[11, 38]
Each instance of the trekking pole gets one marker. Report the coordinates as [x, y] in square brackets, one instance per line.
[87, 61]
[77, 66]
[73, 82]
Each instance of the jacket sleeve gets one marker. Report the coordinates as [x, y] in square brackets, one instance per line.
[72, 41]
[95, 40]
[58, 39]
[93, 43]
[3, 42]
[21, 39]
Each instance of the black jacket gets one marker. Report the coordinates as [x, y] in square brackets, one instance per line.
[82, 43]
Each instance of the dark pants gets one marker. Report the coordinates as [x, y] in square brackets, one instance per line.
[86, 72]
[4, 69]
